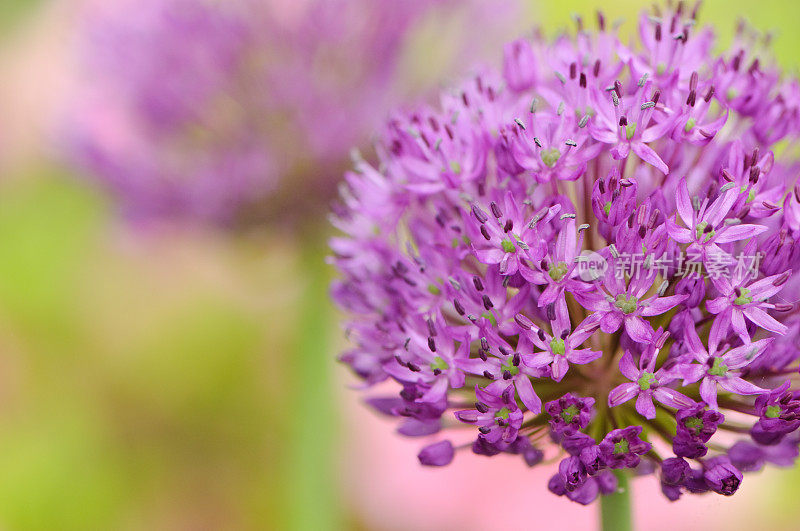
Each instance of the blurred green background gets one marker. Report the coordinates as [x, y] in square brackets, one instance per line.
[182, 380]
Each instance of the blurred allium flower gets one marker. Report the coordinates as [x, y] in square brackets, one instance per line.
[193, 108]
[589, 256]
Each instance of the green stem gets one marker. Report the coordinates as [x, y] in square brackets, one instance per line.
[615, 509]
[313, 502]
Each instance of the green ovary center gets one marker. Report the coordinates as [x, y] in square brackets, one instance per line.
[626, 304]
[455, 166]
[569, 413]
[508, 246]
[558, 271]
[630, 130]
[502, 414]
[621, 447]
[743, 299]
[607, 208]
[557, 346]
[700, 230]
[718, 368]
[690, 123]
[773, 412]
[439, 363]
[694, 424]
[510, 367]
[750, 196]
[646, 380]
[550, 156]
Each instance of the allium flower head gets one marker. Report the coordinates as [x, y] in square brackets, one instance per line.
[197, 108]
[599, 246]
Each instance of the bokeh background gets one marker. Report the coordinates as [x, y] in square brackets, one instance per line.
[182, 375]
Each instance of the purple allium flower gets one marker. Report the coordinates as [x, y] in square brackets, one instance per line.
[779, 412]
[695, 426]
[559, 349]
[746, 300]
[647, 384]
[569, 413]
[543, 227]
[621, 448]
[707, 226]
[496, 413]
[718, 368]
[618, 305]
[203, 109]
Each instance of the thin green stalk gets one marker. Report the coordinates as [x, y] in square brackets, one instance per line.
[615, 509]
[311, 476]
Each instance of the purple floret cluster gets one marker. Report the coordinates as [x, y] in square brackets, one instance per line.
[587, 259]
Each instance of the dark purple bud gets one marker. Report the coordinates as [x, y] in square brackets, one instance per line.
[585, 494]
[574, 442]
[722, 477]
[556, 485]
[674, 470]
[606, 482]
[592, 459]
[690, 447]
[532, 456]
[437, 454]
[572, 472]
[671, 492]
[746, 456]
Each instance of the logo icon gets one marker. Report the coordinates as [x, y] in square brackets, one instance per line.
[591, 266]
